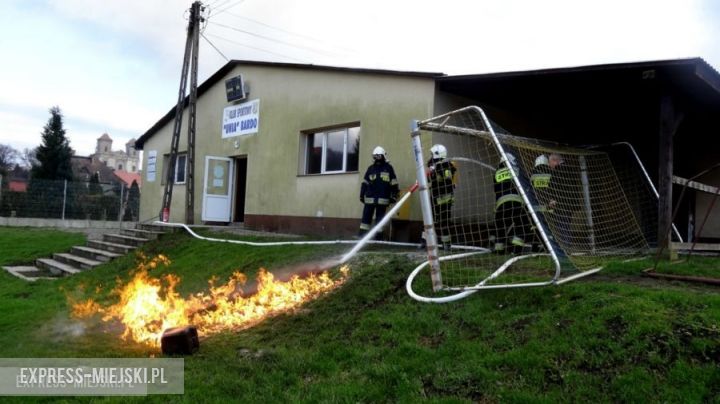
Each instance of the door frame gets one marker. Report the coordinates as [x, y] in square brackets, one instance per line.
[231, 187]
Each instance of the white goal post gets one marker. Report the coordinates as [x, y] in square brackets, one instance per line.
[521, 212]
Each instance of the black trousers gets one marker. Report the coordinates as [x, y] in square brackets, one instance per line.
[442, 216]
[370, 210]
[512, 222]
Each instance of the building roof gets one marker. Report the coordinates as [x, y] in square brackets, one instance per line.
[229, 66]
[105, 136]
[605, 104]
[128, 178]
[18, 185]
[130, 142]
[692, 78]
[84, 167]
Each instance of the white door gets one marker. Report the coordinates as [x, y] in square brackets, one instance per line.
[217, 192]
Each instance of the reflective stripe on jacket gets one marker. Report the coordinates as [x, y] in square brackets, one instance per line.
[441, 180]
[505, 190]
[380, 184]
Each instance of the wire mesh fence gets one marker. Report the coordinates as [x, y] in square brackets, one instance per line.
[69, 200]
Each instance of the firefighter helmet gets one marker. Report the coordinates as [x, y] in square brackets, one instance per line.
[438, 151]
[542, 160]
[511, 160]
[379, 152]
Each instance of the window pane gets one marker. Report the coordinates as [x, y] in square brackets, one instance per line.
[335, 150]
[353, 149]
[314, 153]
[180, 168]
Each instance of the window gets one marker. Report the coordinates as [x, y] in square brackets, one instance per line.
[180, 168]
[332, 151]
[119, 166]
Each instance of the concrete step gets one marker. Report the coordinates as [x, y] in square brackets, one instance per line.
[139, 233]
[157, 227]
[126, 240]
[29, 273]
[55, 267]
[111, 247]
[76, 261]
[94, 253]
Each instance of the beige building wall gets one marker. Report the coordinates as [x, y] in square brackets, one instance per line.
[293, 100]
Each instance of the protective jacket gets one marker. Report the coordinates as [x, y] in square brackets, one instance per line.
[441, 181]
[541, 179]
[505, 190]
[380, 185]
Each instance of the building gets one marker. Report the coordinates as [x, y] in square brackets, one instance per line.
[289, 156]
[123, 160]
[85, 167]
[128, 178]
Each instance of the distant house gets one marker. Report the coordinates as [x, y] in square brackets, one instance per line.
[18, 179]
[18, 185]
[112, 167]
[128, 178]
[84, 168]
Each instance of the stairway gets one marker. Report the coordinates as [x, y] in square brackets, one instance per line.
[94, 253]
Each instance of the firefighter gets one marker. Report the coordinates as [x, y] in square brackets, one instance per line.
[545, 187]
[544, 204]
[441, 180]
[511, 218]
[379, 189]
[540, 180]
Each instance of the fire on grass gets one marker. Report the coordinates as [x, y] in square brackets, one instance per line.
[149, 305]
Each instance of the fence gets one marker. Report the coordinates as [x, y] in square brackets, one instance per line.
[67, 200]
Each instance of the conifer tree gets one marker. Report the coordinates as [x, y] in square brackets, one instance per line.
[53, 155]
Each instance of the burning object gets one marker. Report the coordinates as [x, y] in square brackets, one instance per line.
[149, 307]
[180, 341]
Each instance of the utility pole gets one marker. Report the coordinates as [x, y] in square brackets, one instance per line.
[190, 58]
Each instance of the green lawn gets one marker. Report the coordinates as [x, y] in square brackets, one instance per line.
[615, 337]
[20, 246]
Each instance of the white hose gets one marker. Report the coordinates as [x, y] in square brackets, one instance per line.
[469, 291]
[359, 243]
[444, 299]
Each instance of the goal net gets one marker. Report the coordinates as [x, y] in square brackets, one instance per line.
[507, 211]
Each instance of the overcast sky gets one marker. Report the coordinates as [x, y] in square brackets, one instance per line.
[114, 66]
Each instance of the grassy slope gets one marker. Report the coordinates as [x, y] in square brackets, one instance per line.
[613, 337]
[20, 246]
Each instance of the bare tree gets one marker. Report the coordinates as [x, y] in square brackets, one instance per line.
[28, 158]
[8, 157]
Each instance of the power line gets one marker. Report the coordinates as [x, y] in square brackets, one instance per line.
[214, 47]
[284, 30]
[218, 3]
[274, 40]
[255, 48]
[229, 7]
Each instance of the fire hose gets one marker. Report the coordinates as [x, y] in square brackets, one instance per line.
[367, 238]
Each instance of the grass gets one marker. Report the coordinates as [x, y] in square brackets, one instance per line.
[20, 246]
[616, 337]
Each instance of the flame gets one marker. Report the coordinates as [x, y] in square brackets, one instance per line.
[147, 305]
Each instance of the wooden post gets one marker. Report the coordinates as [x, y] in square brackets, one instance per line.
[670, 119]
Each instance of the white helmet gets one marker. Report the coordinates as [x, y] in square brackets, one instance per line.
[379, 151]
[438, 151]
[511, 159]
[542, 160]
